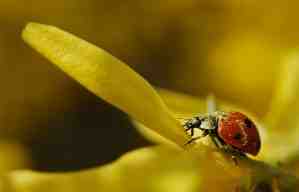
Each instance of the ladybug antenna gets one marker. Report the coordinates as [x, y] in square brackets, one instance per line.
[211, 103]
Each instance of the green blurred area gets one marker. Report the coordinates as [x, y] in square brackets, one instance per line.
[230, 48]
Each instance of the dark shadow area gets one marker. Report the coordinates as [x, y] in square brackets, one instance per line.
[90, 135]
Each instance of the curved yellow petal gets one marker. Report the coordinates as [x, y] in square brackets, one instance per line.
[150, 169]
[106, 76]
[151, 135]
[157, 169]
[183, 104]
[13, 156]
[282, 120]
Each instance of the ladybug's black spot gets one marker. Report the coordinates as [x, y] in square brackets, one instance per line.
[237, 136]
[248, 123]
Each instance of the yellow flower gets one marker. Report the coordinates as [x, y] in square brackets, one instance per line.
[168, 166]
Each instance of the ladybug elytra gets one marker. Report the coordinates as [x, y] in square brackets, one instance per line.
[232, 130]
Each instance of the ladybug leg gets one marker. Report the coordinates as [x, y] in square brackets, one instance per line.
[235, 160]
[216, 141]
[190, 129]
[235, 154]
[192, 132]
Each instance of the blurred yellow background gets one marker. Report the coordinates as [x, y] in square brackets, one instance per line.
[230, 48]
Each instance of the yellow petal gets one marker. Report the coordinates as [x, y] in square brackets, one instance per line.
[183, 104]
[13, 156]
[106, 76]
[149, 169]
[187, 105]
[151, 135]
[282, 120]
[156, 169]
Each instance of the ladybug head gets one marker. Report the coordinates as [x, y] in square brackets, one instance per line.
[240, 132]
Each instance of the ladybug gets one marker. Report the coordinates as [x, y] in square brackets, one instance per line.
[232, 131]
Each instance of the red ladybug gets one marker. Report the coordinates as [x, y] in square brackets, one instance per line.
[233, 131]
